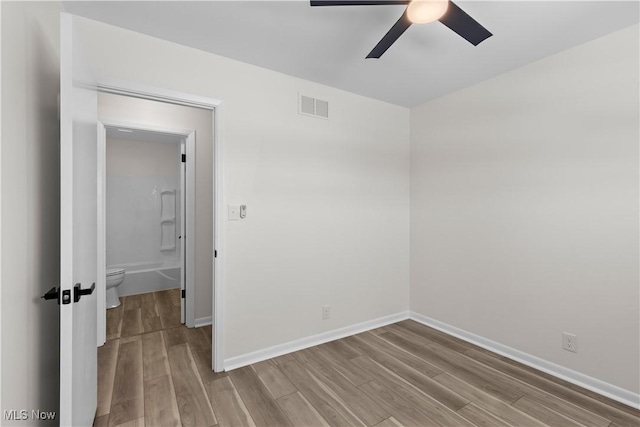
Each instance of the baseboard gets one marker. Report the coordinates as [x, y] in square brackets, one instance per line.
[598, 386]
[300, 344]
[202, 321]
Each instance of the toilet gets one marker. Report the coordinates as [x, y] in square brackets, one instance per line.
[115, 276]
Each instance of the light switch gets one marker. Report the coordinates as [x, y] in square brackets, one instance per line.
[234, 213]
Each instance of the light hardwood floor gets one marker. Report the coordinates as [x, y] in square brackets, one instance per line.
[155, 372]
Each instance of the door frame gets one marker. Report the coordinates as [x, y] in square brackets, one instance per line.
[218, 250]
[189, 137]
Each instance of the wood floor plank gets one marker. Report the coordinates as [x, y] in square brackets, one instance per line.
[131, 322]
[635, 413]
[197, 339]
[300, 411]
[102, 421]
[352, 397]
[193, 404]
[148, 305]
[132, 302]
[338, 354]
[263, 408]
[107, 360]
[389, 422]
[127, 401]
[591, 407]
[170, 320]
[165, 304]
[385, 353]
[423, 382]
[151, 324]
[480, 417]
[138, 422]
[326, 403]
[275, 381]
[431, 334]
[487, 402]
[339, 349]
[174, 336]
[543, 413]
[426, 404]
[203, 362]
[154, 356]
[228, 404]
[406, 413]
[160, 405]
[284, 358]
[114, 322]
[494, 382]
[575, 412]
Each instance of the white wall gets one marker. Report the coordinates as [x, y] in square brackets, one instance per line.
[136, 174]
[159, 114]
[328, 200]
[524, 208]
[30, 206]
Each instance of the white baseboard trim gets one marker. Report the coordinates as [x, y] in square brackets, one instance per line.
[202, 321]
[302, 343]
[598, 386]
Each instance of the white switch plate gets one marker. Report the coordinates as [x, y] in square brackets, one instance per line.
[234, 213]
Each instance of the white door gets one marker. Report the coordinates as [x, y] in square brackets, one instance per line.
[78, 236]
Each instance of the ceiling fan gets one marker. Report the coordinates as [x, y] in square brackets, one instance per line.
[419, 12]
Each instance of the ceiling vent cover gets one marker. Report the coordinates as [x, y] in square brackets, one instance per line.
[313, 107]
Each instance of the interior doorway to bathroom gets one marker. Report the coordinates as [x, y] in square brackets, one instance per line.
[131, 106]
[146, 208]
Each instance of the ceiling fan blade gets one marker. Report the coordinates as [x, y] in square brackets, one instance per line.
[356, 2]
[391, 36]
[467, 27]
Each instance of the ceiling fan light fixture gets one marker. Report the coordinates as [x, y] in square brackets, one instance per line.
[425, 11]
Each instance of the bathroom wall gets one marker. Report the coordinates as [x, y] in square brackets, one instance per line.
[136, 174]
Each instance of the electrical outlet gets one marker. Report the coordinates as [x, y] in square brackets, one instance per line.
[569, 342]
[326, 312]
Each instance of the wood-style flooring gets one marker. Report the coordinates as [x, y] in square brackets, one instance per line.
[155, 372]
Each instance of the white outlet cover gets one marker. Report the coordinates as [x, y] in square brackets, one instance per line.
[569, 342]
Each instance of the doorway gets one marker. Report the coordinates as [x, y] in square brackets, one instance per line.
[161, 111]
[146, 212]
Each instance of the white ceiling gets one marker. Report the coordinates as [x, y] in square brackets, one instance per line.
[329, 44]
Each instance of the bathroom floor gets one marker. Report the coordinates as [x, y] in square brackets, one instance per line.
[143, 313]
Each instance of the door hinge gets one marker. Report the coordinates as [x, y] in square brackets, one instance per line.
[215, 253]
[184, 158]
[184, 292]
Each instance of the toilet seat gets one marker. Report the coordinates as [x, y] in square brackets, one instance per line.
[114, 271]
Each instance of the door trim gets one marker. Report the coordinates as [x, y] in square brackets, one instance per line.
[215, 105]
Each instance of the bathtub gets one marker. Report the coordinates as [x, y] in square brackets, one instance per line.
[148, 277]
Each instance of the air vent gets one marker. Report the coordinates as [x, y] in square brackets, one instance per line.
[313, 107]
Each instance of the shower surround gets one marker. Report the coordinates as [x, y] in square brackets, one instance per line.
[143, 213]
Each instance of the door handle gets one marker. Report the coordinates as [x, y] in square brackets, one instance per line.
[78, 292]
